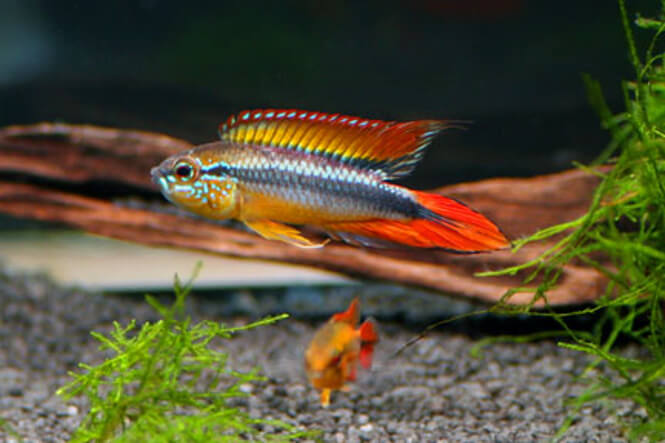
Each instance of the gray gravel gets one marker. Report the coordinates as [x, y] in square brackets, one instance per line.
[434, 391]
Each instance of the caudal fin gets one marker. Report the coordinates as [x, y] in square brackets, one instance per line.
[368, 337]
[452, 225]
[442, 223]
[368, 332]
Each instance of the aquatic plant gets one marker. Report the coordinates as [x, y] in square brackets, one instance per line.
[6, 428]
[623, 236]
[166, 383]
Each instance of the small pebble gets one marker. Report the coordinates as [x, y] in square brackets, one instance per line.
[246, 388]
[367, 428]
[15, 392]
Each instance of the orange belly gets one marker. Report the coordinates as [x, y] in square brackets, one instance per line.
[256, 206]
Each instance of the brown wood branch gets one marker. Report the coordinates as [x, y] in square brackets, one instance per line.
[447, 273]
[83, 153]
[80, 153]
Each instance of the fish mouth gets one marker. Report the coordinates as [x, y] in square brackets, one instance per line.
[158, 175]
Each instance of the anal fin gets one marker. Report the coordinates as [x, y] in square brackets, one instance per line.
[271, 230]
[359, 240]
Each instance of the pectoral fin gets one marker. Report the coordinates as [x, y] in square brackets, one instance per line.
[325, 397]
[278, 231]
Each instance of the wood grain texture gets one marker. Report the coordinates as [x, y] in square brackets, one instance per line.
[79, 154]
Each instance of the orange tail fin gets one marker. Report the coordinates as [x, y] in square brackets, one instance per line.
[368, 332]
[444, 223]
[368, 337]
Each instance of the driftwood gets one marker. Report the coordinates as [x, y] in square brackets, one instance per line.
[78, 154]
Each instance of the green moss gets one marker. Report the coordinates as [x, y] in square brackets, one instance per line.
[6, 428]
[165, 382]
[623, 236]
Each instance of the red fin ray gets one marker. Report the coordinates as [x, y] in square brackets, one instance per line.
[368, 337]
[389, 147]
[449, 225]
[366, 354]
[476, 232]
[368, 331]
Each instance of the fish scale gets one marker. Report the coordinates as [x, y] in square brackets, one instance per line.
[315, 181]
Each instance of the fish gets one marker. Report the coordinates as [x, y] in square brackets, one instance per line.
[332, 357]
[279, 170]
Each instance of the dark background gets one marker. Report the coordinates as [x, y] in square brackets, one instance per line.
[511, 66]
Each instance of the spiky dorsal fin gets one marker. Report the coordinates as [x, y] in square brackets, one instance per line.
[390, 148]
[351, 315]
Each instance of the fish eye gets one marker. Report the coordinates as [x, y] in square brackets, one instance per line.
[184, 170]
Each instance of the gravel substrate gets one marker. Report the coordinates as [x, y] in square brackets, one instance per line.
[433, 391]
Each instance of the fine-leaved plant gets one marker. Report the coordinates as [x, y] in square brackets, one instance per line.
[622, 235]
[166, 381]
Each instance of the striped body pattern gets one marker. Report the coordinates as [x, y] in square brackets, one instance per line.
[277, 169]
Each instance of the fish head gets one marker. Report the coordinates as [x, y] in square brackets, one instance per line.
[199, 182]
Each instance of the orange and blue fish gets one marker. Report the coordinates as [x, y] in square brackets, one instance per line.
[332, 356]
[277, 170]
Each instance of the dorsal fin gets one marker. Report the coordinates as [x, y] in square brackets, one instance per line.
[390, 148]
[351, 315]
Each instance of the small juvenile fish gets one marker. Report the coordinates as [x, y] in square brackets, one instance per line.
[277, 169]
[335, 350]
